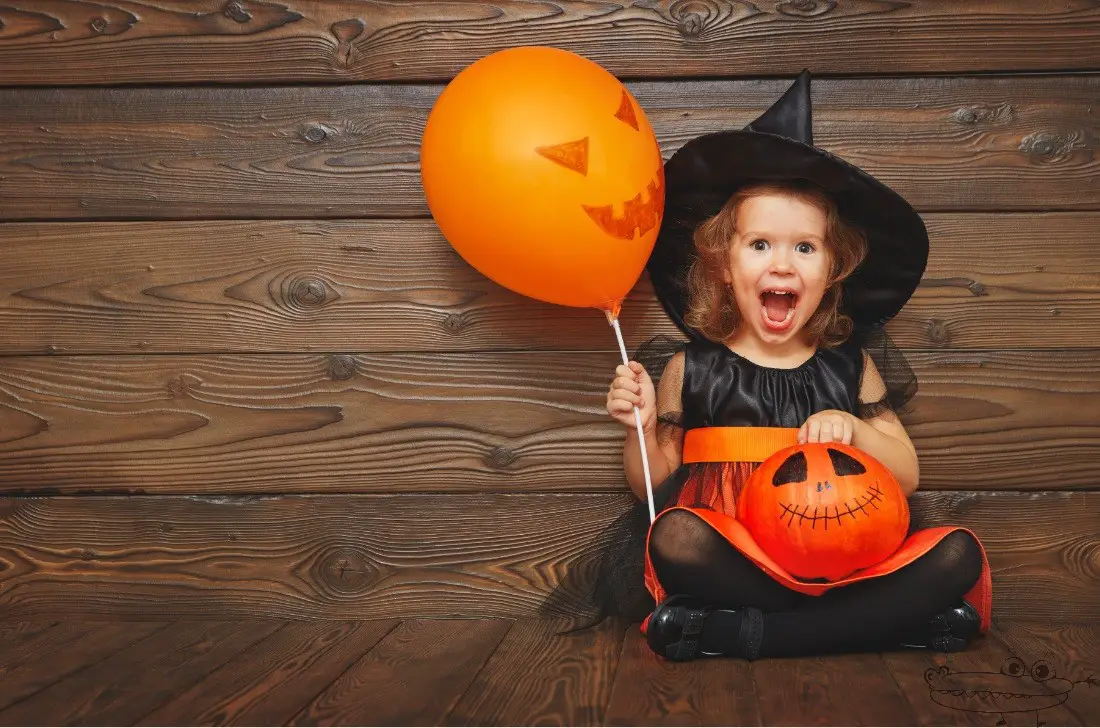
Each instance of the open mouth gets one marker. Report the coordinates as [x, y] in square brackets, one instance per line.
[777, 306]
[639, 214]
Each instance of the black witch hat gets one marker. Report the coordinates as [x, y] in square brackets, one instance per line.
[778, 146]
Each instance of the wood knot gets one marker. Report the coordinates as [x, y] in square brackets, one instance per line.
[937, 332]
[236, 11]
[309, 293]
[455, 322]
[500, 457]
[182, 385]
[99, 25]
[691, 25]
[984, 114]
[1048, 147]
[87, 555]
[341, 366]
[346, 31]
[315, 134]
[805, 8]
[692, 17]
[344, 570]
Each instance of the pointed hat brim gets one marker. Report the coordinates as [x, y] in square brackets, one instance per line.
[706, 171]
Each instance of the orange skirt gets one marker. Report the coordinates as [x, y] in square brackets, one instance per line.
[712, 493]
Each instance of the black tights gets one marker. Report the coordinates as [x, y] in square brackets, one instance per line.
[690, 557]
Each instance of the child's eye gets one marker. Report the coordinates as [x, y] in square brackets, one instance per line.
[805, 248]
[759, 244]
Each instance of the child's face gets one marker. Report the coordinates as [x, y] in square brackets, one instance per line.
[778, 265]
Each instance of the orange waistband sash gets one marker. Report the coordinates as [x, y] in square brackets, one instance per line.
[731, 444]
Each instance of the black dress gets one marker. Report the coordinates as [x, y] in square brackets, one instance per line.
[720, 388]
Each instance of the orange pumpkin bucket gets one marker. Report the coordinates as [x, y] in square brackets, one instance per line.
[824, 510]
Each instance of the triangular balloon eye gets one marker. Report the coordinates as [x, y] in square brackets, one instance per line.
[793, 470]
[845, 464]
[626, 111]
[571, 155]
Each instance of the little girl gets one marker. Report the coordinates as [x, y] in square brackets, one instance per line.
[781, 263]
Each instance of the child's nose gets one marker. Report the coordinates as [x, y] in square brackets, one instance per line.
[781, 261]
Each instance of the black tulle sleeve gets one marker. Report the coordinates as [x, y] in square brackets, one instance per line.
[887, 384]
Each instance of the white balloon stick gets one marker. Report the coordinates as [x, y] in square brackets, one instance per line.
[637, 422]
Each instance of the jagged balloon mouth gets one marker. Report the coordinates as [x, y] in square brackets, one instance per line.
[640, 213]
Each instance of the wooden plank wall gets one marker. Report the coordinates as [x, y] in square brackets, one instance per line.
[241, 373]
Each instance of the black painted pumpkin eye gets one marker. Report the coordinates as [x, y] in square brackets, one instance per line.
[845, 464]
[793, 470]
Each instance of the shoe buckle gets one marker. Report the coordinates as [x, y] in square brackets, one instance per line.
[694, 623]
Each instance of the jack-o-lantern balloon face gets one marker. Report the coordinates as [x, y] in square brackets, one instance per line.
[542, 171]
[824, 510]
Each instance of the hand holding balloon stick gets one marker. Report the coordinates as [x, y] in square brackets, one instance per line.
[544, 174]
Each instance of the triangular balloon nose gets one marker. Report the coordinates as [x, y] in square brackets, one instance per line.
[791, 116]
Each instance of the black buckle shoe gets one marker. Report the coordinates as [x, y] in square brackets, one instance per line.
[676, 626]
[948, 631]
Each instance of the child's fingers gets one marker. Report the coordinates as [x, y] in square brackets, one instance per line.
[849, 432]
[619, 405]
[826, 434]
[631, 397]
[813, 432]
[628, 384]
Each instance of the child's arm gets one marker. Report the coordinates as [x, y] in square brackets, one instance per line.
[883, 437]
[663, 439]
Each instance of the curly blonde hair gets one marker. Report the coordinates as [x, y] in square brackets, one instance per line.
[712, 309]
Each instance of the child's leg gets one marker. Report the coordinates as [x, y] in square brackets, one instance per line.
[866, 616]
[689, 557]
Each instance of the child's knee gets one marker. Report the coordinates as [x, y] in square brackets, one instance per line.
[676, 536]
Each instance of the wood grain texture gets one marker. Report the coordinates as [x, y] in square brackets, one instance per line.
[650, 690]
[247, 41]
[141, 676]
[1072, 651]
[510, 422]
[353, 151]
[233, 286]
[15, 634]
[919, 674]
[60, 652]
[272, 681]
[414, 676]
[542, 673]
[804, 691]
[489, 555]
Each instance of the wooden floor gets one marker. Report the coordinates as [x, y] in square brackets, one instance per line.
[500, 672]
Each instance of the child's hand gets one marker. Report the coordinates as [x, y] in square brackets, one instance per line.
[632, 387]
[828, 426]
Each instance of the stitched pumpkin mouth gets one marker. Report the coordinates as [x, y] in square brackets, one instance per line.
[849, 509]
[640, 213]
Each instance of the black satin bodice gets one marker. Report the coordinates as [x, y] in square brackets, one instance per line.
[723, 389]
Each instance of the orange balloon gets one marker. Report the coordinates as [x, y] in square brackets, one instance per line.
[542, 171]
